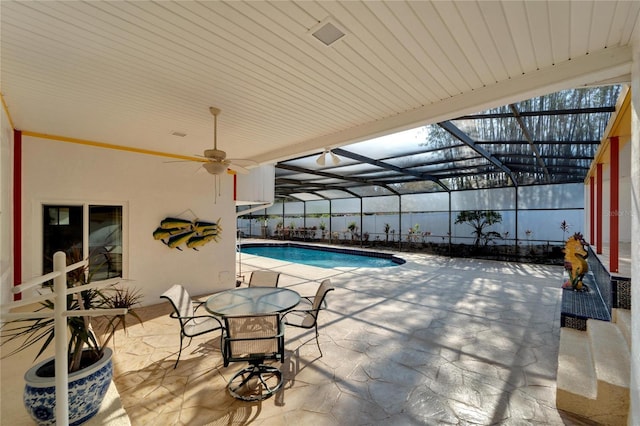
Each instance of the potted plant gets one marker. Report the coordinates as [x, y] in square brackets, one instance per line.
[353, 229]
[89, 365]
[323, 228]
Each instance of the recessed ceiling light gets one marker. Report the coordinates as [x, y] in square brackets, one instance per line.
[328, 31]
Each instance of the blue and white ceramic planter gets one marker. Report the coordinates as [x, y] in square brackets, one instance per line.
[87, 388]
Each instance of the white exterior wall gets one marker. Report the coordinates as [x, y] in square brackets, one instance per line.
[150, 190]
[6, 209]
[258, 186]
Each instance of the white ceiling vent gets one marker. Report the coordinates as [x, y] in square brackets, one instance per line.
[328, 31]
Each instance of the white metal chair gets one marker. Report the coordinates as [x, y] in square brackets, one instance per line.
[308, 318]
[264, 279]
[184, 310]
[254, 339]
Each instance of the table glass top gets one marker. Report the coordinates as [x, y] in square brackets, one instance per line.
[252, 300]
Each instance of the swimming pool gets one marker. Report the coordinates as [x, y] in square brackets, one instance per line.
[324, 257]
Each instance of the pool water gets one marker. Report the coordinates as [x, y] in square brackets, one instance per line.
[324, 258]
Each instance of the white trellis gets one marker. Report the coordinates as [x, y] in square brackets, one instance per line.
[59, 314]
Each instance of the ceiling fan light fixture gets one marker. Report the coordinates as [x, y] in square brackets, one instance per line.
[215, 168]
[334, 158]
[322, 159]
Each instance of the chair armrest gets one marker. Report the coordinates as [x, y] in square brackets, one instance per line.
[176, 316]
[310, 299]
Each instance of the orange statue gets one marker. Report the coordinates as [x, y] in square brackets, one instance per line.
[575, 263]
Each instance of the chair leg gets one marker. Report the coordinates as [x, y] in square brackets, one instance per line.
[317, 341]
[179, 352]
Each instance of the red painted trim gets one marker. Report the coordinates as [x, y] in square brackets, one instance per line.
[17, 210]
[599, 208]
[235, 187]
[592, 210]
[614, 213]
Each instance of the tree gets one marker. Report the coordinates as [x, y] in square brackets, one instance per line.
[479, 220]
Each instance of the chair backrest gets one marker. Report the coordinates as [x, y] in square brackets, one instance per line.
[181, 302]
[264, 279]
[253, 338]
[324, 288]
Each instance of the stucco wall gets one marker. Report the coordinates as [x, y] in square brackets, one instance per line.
[6, 209]
[150, 189]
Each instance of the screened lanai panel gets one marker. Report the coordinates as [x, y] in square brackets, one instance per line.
[335, 194]
[489, 180]
[547, 139]
[426, 202]
[370, 191]
[318, 207]
[397, 144]
[435, 157]
[305, 196]
[380, 205]
[345, 206]
[294, 208]
[416, 187]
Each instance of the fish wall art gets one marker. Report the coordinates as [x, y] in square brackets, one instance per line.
[175, 232]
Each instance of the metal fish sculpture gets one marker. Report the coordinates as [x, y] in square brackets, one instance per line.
[180, 239]
[202, 227]
[162, 233]
[175, 231]
[200, 240]
[172, 222]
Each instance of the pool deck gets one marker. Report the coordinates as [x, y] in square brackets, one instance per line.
[434, 341]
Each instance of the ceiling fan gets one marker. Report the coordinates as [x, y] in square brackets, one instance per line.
[216, 160]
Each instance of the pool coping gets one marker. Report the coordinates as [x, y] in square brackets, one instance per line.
[393, 258]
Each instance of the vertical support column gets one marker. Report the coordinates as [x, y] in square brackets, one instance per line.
[361, 223]
[450, 230]
[592, 210]
[599, 182]
[614, 214]
[60, 340]
[516, 223]
[17, 210]
[399, 222]
[634, 389]
[304, 215]
[330, 220]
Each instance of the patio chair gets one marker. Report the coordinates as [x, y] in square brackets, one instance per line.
[307, 318]
[254, 339]
[264, 279]
[184, 310]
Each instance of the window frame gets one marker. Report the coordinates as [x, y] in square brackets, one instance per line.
[39, 218]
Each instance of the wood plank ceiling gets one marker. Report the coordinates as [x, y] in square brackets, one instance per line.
[135, 73]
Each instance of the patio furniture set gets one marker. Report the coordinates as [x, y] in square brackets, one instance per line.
[251, 321]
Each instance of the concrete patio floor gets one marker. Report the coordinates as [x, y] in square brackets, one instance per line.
[434, 341]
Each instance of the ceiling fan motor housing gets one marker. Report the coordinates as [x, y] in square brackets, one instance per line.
[215, 154]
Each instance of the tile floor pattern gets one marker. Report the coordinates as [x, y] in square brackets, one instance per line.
[436, 341]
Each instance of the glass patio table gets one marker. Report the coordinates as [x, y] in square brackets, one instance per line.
[252, 300]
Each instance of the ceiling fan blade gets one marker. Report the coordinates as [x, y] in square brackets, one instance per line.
[238, 169]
